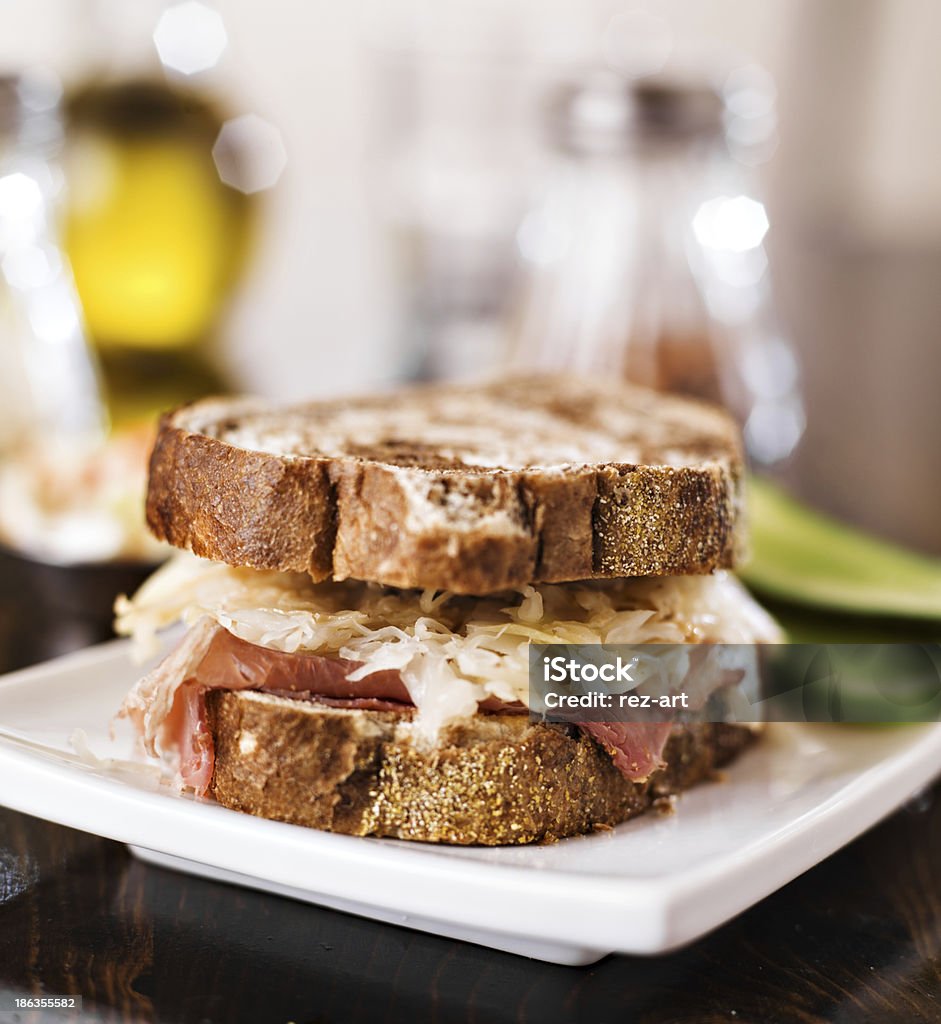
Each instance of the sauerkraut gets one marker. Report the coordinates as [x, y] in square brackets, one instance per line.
[452, 651]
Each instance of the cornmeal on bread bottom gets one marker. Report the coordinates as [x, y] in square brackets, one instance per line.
[493, 780]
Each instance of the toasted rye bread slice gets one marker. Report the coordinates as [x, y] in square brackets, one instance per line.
[496, 780]
[470, 489]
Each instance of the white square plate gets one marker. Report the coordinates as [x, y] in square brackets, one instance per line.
[647, 887]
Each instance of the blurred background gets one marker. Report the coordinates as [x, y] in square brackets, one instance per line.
[737, 200]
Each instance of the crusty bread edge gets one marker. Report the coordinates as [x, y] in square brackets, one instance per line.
[494, 780]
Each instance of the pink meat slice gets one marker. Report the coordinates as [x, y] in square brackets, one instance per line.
[168, 706]
[234, 664]
[636, 748]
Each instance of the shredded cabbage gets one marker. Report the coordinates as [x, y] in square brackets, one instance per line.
[452, 651]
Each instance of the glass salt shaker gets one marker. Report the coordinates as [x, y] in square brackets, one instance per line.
[48, 383]
[644, 254]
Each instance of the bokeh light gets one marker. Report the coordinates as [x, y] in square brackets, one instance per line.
[190, 37]
[249, 153]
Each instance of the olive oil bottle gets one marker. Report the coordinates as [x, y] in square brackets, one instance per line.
[156, 240]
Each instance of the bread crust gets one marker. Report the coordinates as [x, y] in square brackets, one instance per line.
[403, 513]
[495, 780]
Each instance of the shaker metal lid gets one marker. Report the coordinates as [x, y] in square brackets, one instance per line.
[603, 112]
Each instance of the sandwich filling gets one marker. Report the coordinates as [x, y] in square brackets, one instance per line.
[433, 657]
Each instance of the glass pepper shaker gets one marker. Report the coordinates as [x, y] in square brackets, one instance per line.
[644, 254]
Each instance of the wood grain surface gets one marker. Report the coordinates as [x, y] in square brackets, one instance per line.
[857, 939]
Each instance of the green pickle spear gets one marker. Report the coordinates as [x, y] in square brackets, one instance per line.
[802, 556]
[872, 607]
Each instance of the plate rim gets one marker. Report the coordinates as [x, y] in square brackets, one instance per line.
[673, 912]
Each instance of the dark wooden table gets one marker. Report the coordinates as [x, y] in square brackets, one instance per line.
[856, 939]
